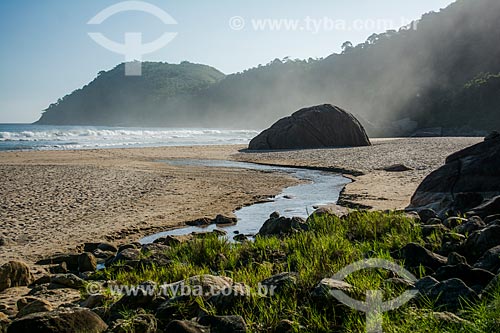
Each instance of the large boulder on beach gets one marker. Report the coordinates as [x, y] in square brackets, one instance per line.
[468, 177]
[319, 126]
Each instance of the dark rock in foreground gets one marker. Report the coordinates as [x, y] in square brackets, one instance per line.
[461, 184]
[415, 255]
[488, 208]
[490, 261]
[481, 241]
[470, 276]
[320, 126]
[451, 294]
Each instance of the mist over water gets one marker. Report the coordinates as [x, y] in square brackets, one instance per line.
[395, 82]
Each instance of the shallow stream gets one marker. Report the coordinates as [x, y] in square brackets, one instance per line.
[321, 188]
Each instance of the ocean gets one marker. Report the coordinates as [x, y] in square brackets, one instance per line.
[42, 137]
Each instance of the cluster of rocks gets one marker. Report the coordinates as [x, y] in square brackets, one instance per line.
[461, 257]
[35, 312]
[155, 307]
[462, 267]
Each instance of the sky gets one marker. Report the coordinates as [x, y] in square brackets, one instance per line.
[47, 52]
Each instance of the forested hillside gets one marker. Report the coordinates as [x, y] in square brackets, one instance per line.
[444, 74]
[114, 99]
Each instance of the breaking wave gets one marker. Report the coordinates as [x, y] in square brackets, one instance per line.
[14, 137]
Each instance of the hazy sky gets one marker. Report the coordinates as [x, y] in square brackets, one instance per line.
[46, 52]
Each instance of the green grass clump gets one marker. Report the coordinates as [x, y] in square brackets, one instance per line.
[330, 244]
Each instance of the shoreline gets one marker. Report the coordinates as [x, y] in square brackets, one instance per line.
[54, 201]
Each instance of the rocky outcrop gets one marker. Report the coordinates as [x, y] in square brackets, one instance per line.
[208, 284]
[468, 177]
[328, 211]
[487, 209]
[319, 126]
[490, 261]
[470, 276]
[229, 297]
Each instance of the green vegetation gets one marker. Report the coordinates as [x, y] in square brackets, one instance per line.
[329, 245]
[114, 99]
[479, 97]
[407, 74]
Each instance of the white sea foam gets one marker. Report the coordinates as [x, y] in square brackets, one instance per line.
[69, 137]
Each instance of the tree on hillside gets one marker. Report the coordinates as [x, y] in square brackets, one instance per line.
[347, 46]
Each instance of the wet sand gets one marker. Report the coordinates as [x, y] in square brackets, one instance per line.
[54, 201]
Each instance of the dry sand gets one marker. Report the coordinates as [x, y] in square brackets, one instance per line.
[54, 201]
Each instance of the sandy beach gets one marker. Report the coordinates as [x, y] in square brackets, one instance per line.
[54, 201]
